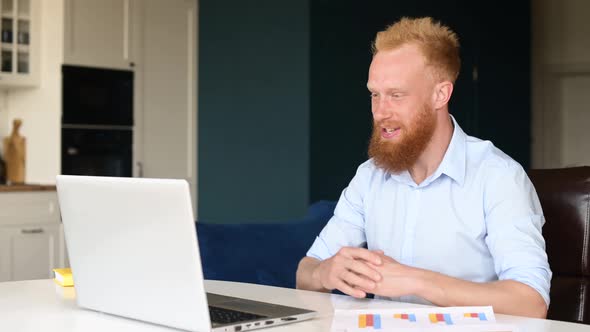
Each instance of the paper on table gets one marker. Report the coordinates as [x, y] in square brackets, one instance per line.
[412, 319]
[492, 327]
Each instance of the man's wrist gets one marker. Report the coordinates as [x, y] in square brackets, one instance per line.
[424, 283]
[315, 276]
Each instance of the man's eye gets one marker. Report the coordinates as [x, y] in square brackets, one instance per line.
[396, 95]
[374, 95]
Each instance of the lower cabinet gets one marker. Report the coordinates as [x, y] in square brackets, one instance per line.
[30, 250]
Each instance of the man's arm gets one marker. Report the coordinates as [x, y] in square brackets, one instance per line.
[347, 271]
[336, 259]
[307, 276]
[506, 296]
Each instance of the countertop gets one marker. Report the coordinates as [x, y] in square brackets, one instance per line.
[26, 187]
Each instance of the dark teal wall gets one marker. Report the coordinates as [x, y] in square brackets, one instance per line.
[284, 115]
[253, 110]
[495, 39]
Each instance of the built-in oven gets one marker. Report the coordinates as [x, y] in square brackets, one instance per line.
[97, 96]
[97, 121]
[98, 152]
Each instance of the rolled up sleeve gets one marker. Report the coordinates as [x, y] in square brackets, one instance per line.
[347, 227]
[514, 221]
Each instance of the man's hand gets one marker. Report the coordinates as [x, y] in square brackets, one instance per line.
[506, 296]
[397, 279]
[353, 271]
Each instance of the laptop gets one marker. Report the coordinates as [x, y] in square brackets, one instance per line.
[133, 251]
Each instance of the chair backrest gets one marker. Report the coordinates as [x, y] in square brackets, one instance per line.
[565, 198]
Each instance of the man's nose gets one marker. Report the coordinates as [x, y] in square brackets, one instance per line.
[381, 111]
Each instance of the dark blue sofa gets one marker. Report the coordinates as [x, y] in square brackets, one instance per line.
[265, 254]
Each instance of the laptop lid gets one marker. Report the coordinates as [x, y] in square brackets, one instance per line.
[133, 249]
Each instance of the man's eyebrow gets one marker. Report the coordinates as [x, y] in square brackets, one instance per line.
[390, 89]
[395, 90]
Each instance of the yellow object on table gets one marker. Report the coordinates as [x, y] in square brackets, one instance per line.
[63, 277]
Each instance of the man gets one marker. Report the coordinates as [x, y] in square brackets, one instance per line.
[448, 219]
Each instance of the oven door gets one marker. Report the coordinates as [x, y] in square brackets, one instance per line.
[97, 152]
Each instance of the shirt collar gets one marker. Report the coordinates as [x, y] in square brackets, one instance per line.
[452, 165]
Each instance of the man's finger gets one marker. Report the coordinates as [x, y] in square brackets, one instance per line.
[384, 257]
[362, 253]
[362, 268]
[367, 291]
[347, 289]
[357, 281]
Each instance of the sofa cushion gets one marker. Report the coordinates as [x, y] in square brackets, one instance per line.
[265, 254]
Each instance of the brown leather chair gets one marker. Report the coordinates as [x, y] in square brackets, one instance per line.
[565, 198]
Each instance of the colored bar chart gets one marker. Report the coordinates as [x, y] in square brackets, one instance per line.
[415, 318]
[440, 318]
[408, 317]
[480, 315]
[369, 320]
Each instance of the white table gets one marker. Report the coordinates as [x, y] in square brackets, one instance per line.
[41, 305]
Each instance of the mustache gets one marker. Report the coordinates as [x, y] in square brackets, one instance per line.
[386, 124]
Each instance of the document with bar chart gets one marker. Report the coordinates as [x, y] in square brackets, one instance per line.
[424, 319]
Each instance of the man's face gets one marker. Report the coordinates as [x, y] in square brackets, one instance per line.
[401, 100]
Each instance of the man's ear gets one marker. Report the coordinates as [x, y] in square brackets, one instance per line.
[442, 94]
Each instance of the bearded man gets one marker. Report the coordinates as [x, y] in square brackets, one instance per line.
[435, 216]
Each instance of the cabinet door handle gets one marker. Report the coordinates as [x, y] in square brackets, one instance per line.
[32, 231]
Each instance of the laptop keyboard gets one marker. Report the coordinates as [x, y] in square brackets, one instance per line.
[228, 316]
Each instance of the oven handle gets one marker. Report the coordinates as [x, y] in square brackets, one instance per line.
[140, 169]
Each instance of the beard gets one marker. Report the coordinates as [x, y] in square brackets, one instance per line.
[400, 153]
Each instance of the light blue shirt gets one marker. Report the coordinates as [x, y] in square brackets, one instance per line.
[477, 218]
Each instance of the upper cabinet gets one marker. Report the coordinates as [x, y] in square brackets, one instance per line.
[19, 50]
[101, 33]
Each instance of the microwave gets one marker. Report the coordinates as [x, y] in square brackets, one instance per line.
[97, 96]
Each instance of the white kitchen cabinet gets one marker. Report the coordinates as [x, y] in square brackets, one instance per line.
[30, 252]
[31, 235]
[156, 39]
[101, 33]
[19, 43]
[165, 134]
[159, 37]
